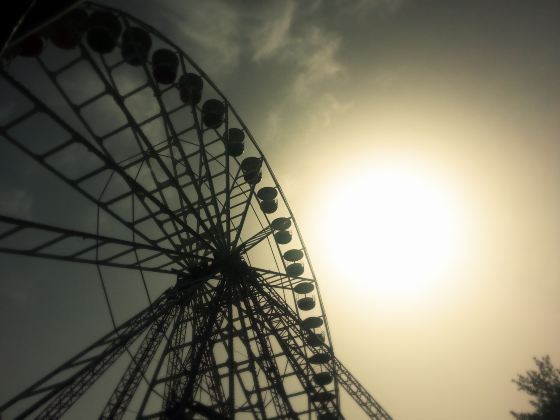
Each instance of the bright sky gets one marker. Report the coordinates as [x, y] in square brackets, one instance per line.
[418, 146]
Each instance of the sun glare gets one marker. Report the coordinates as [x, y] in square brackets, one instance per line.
[397, 229]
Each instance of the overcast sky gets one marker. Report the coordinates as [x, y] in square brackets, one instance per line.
[467, 90]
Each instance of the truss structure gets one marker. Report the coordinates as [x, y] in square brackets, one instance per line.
[241, 332]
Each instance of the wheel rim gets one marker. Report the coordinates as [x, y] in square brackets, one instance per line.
[163, 175]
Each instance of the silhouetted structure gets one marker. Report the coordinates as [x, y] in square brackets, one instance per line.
[122, 116]
[543, 385]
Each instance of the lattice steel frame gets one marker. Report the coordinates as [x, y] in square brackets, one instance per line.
[228, 338]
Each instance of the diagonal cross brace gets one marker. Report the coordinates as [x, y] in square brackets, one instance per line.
[58, 392]
[354, 388]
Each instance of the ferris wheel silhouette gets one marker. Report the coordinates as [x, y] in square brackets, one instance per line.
[173, 185]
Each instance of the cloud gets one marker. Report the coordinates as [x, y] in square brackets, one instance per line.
[287, 35]
[330, 108]
[272, 126]
[292, 49]
[272, 31]
[210, 28]
[314, 54]
[222, 32]
[223, 36]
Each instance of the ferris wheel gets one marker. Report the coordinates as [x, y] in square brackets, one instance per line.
[165, 181]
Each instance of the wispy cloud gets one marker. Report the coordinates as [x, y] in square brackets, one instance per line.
[222, 33]
[272, 126]
[314, 54]
[211, 27]
[272, 31]
[330, 108]
[286, 35]
[301, 42]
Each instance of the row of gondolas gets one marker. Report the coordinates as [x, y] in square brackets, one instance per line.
[303, 290]
[104, 32]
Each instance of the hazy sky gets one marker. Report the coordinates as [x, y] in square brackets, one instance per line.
[467, 92]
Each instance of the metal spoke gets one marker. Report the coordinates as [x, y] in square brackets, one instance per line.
[243, 331]
[127, 386]
[280, 396]
[358, 392]
[77, 246]
[60, 392]
[108, 165]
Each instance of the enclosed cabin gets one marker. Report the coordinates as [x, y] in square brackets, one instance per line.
[293, 255]
[31, 46]
[27, 35]
[281, 225]
[135, 47]
[165, 64]
[295, 269]
[283, 237]
[66, 32]
[322, 378]
[320, 359]
[312, 322]
[315, 339]
[251, 168]
[268, 201]
[304, 288]
[103, 31]
[306, 303]
[234, 142]
[213, 113]
[190, 92]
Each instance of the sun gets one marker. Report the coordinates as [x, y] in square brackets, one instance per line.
[394, 229]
